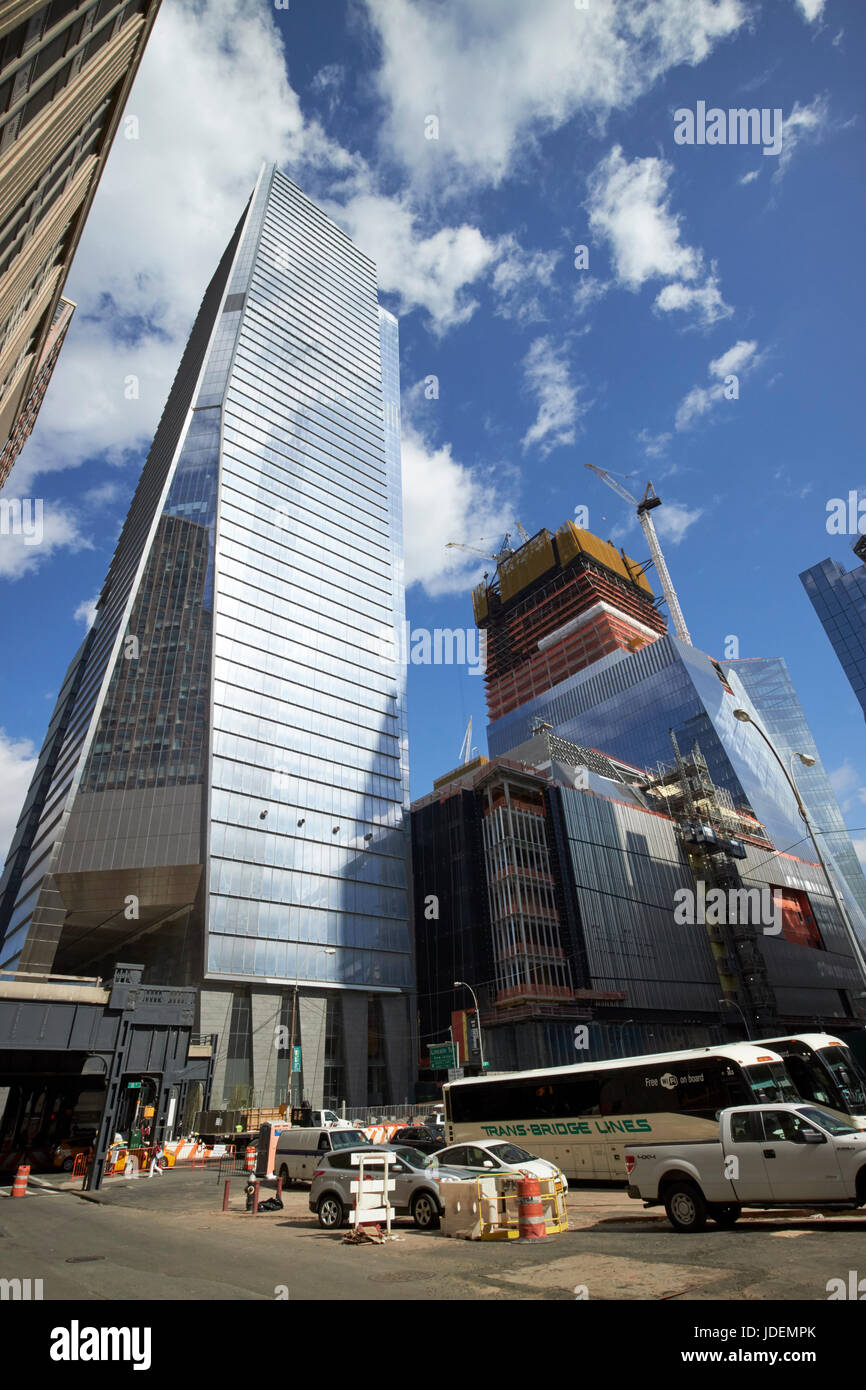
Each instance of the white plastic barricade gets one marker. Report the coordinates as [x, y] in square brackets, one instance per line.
[371, 1193]
[460, 1214]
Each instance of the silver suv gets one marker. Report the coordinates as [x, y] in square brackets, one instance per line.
[416, 1185]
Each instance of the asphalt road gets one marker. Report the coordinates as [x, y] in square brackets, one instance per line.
[166, 1238]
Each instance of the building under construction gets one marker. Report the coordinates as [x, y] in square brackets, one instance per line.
[550, 880]
[555, 606]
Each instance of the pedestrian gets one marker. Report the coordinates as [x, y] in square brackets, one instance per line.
[155, 1164]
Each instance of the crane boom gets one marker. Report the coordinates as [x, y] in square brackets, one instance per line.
[644, 516]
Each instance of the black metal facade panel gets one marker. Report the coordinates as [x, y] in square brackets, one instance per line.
[50, 1025]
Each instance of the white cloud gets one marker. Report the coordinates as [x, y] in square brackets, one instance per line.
[559, 410]
[629, 206]
[588, 292]
[751, 176]
[21, 554]
[520, 278]
[673, 519]
[736, 359]
[654, 445]
[444, 500]
[740, 358]
[844, 780]
[18, 758]
[499, 73]
[86, 611]
[803, 124]
[431, 273]
[705, 299]
[810, 9]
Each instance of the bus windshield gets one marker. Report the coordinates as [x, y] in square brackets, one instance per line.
[770, 1082]
[847, 1075]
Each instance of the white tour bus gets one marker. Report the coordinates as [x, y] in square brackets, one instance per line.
[581, 1117]
[824, 1071]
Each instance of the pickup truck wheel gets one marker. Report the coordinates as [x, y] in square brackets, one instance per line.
[685, 1207]
[726, 1216]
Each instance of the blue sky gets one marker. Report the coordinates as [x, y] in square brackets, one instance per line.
[555, 129]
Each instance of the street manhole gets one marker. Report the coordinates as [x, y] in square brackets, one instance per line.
[409, 1276]
[83, 1259]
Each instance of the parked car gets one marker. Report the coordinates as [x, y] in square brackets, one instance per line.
[417, 1179]
[767, 1156]
[419, 1137]
[485, 1156]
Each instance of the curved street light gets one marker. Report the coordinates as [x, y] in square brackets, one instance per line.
[808, 761]
[734, 1005]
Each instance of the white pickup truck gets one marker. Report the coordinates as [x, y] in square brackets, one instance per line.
[790, 1155]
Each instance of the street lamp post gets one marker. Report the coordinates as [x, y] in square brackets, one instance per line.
[734, 1005]
[457, 984]
[808, 761]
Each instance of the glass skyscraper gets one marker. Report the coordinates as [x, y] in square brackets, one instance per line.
[839, 598]
[771, 690]
[223, 790]
[629, 703]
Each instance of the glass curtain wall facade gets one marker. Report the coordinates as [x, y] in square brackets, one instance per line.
[240, 760]
[772, 693]
[838, 596]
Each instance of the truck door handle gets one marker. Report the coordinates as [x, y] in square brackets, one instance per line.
[769, 1153]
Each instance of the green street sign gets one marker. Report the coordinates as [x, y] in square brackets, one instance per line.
[133, 1085]
[296, 1059]
[443, 1056]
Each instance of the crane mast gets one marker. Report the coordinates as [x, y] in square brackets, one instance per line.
[644, 516]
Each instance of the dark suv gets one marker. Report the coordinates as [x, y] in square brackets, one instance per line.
[427, 1141]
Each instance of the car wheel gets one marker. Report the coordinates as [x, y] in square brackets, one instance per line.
[331, 1212]
[685, 1207]
[726, 1216]
[68, 1164]
[425, 1211]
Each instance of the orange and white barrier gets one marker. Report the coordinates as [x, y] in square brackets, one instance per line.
[530, 1212]
[19, 1186]
[381, 1134]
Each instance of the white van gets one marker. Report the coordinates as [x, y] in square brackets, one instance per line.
[299, 1150]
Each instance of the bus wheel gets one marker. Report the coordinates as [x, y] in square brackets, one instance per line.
[685, 1206]
[726, 1216]
[284, 1174]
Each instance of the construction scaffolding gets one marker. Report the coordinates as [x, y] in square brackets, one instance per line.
[712, 831]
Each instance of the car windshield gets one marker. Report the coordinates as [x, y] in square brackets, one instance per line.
[834, 1124]
[413, 1157]
[348, 1138]
[509, 1153]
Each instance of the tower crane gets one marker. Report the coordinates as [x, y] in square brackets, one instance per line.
[466, 747]
[644, 508]
[504, 550]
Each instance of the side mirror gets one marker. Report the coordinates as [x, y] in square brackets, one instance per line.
[488, 1164]
[812, 1136]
